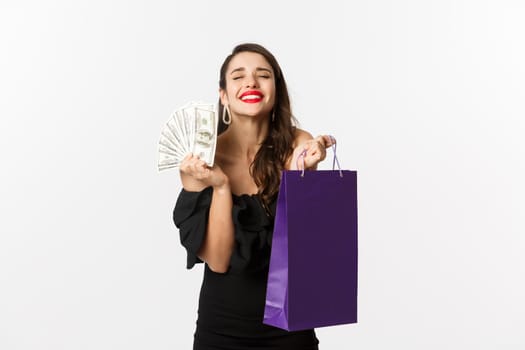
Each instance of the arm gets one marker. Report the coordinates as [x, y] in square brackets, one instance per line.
[218, 244]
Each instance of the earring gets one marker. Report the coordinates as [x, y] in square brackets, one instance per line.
[273, 115]
[226, 112]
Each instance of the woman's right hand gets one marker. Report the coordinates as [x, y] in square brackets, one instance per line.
[197, 175]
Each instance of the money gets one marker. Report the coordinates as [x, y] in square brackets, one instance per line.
[190, 129]
[205, 135]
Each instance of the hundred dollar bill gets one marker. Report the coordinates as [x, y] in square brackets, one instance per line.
[205, 135]
[190, 129]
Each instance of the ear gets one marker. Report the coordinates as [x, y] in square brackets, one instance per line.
[223, 96]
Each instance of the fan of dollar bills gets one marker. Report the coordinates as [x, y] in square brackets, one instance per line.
[190, 129]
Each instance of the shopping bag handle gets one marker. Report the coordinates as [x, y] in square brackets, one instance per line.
[335, 160]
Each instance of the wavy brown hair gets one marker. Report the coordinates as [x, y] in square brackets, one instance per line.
[278, 146]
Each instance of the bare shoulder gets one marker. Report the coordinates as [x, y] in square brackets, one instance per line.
[301, 136]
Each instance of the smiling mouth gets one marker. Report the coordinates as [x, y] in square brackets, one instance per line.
[251, 97]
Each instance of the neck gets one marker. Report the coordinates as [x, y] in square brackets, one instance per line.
[245, 136]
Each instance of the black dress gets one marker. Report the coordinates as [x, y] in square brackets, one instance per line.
[231, 304]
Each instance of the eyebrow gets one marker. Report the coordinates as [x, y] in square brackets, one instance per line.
[258, 69]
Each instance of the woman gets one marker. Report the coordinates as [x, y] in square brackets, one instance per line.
[225, 213]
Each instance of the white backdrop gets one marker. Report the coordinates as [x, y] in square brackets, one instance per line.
[426, 99]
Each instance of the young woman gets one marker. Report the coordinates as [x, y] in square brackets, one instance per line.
[225, 213]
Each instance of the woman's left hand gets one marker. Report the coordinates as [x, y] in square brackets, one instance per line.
[315, 152]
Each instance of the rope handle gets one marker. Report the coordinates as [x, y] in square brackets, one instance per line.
[335, 160]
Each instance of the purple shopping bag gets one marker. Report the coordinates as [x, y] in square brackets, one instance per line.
[312, 280]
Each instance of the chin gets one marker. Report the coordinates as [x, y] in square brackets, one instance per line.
[253, 113]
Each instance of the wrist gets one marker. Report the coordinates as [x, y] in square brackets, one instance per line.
[223, 187]
[298, 159]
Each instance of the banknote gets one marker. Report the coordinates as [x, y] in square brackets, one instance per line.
[190, 129]
[205, 135]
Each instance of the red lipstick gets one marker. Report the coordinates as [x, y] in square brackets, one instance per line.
[251, 96]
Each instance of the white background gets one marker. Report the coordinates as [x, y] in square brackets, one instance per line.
[426, 99]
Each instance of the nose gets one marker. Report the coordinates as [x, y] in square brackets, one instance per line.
[251, 80]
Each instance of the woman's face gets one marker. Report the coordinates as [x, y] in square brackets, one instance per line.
[250, 85]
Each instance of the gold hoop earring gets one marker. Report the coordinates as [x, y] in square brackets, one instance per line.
[226, 112]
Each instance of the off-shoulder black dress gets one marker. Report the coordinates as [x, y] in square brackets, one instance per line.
[231, 304]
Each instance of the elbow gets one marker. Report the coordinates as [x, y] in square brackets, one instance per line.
[216, 256]
[219, 265]
[216, 263]
[218, 268]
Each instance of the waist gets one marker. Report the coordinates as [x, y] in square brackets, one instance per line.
[233, 295]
